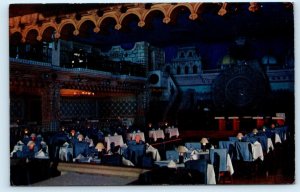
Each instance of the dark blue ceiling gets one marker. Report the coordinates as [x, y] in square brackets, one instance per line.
[271, 28]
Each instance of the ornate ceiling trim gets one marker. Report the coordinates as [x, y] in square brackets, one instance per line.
[119, 12]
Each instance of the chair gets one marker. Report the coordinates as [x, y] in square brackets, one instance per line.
[192, 145]
[263, 140]
[281, 131]
[218, 158]
[136, 152]
[198, 170]
[243, 151]
[81, 148]
[172, 155]
[229, 145]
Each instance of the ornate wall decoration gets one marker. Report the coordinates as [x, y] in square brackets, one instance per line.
[239, 86]
[78, 108]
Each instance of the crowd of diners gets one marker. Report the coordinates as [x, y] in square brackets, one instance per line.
[89, 145]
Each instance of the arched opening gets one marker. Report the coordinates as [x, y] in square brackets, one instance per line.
[178, 13]
[130, 23]
[154, 19]
[67, 31]
[186, 70]
[195, 69]
[86, 29]
[107, 26]
[178, 70]
[32, 49]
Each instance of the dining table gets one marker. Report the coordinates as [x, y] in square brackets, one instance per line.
[156, 134]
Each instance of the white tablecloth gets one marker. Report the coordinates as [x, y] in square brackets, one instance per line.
[154, 152]
[229, 165]
[257, 151]
[277, 138]
[270, 145]
[211, 176]
[131, 136]
[156, 134]
[117, 139]
[172, 132]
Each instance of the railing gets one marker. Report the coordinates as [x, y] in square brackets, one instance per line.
[75, 70]
[30, 62]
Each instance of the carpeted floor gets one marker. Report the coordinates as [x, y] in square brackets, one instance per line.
[77, 179]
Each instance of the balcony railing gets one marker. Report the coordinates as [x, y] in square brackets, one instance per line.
[76, 70]
[30, 62]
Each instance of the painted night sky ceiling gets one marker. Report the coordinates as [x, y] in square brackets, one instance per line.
[269, 30]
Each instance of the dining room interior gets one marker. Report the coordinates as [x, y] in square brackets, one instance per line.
[138, 94]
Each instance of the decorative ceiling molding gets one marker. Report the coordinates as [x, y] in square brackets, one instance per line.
[37, 22]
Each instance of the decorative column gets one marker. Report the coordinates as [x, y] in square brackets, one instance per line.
[141, 100]
[51, 107]
[259, 121]
[235, 123]
[221, 123]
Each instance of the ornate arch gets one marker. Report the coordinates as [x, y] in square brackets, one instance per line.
[198, 7]
[46, 26]
[172, 9]
[64, 23]
[85, 19]
[160, 9]
[128, 13]
[44, 33]
[107, 16]
[27, 30]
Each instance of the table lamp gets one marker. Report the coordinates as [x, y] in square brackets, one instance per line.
[100, 148]
[181, 150]
[204, 141]
[254, 131]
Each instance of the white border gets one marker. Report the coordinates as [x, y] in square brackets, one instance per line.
[4, 115]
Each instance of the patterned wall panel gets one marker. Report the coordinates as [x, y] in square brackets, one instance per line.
[115, 108]
[17, 106]
[78, 108]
